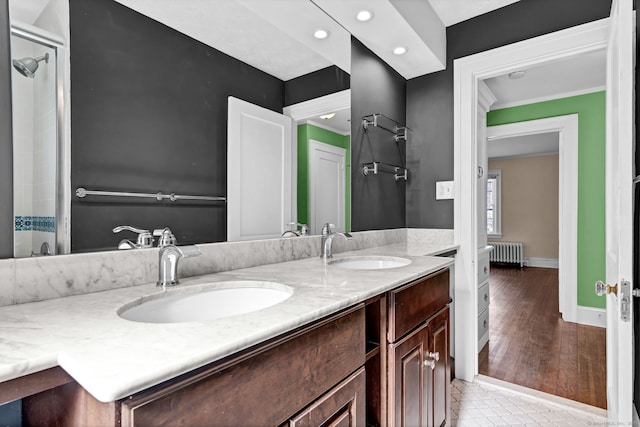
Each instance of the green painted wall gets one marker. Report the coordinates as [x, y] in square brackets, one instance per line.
[591, 179]
[307, 132]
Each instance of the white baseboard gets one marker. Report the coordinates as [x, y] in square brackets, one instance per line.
[592, 316]
[541, 262]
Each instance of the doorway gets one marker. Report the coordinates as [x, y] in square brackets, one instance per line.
[467, 74]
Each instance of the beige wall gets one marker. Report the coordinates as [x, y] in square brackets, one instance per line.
[530, 203]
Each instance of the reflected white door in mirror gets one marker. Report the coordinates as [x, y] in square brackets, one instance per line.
[259, 172]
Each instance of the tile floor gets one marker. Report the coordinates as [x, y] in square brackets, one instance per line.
[491, 402]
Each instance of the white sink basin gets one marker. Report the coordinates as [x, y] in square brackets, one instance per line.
[207, 302]
[370, 262]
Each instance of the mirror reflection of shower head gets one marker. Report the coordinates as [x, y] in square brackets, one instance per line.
[28, 66]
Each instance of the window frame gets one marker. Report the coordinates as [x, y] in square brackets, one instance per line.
[497, 207]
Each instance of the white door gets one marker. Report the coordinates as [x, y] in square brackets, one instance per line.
[326, 186]
[619, 210]
[259, 172]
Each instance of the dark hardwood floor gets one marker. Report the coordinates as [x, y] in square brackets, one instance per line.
[530, 344]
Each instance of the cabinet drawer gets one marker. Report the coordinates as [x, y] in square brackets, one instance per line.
[344, 405]
[483, 329]
[483, 267]
[261, 387]
[414, 303]
[483, 297]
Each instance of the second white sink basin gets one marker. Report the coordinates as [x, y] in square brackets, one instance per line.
[370, 262]
[222, 299]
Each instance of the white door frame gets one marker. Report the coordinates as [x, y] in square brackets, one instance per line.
[567, 127]
[316, 146]
[467, 73]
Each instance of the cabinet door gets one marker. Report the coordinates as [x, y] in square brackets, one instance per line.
[438, 372]
[342, 406]
[408, 398]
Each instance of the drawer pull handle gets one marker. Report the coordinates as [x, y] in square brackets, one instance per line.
[430, 363]
[434, 355]
[486, 297]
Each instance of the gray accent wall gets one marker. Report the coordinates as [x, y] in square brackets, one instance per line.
[316, 84]
[149, 114]
[430, 97]
[377, 201]
[6, 146]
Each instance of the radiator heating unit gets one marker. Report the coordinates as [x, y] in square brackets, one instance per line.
[507, 253]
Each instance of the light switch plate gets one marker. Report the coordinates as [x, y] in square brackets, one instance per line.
[444, 190]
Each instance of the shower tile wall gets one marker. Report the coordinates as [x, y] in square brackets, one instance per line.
[34, 115]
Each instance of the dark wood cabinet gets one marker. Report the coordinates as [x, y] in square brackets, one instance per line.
[439, 372]
[343, 406]
[381, 363]
[265, 385]
[419, 375]
[409, 403]
[413, 364]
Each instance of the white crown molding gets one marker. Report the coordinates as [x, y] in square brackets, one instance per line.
[500, 106]
[325, 127]
[314, 107]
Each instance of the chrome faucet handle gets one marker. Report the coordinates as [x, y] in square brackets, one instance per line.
[304, 228]
[326, 228]
[145, 239]
[166, 237]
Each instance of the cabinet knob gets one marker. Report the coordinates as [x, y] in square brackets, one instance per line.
[434, 355]
[430, 363]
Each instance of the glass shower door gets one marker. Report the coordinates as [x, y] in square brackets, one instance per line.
[35, 150]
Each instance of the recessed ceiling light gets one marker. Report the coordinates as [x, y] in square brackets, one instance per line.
[364, 15]
[328, 116]
[400, 50]
[517, 75]
[321, 34]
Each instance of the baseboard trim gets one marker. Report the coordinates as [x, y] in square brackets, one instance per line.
[541, 262]
[592, 316]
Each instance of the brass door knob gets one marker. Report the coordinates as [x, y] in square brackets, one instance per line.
[604, 289]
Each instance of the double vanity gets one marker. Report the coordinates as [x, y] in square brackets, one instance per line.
[362, 337]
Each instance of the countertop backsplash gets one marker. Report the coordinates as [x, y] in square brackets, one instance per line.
[35, 279]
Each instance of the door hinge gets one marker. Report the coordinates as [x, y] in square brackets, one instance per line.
[625, 300]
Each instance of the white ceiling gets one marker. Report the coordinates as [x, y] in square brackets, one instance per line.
[579, 74]
[526, 145]
[276, 37]
[454, 11]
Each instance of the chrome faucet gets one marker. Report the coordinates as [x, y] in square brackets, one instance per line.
[304, 230]
[168, 263]
[327, 240]
[145, 239]
[165, 237]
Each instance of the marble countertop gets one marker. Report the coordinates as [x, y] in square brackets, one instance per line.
[113, 358]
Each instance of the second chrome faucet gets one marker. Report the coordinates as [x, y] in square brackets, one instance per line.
[327, 239]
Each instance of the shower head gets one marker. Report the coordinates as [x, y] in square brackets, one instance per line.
[28, 66]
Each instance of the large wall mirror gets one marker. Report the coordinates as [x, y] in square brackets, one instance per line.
[148, 97]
